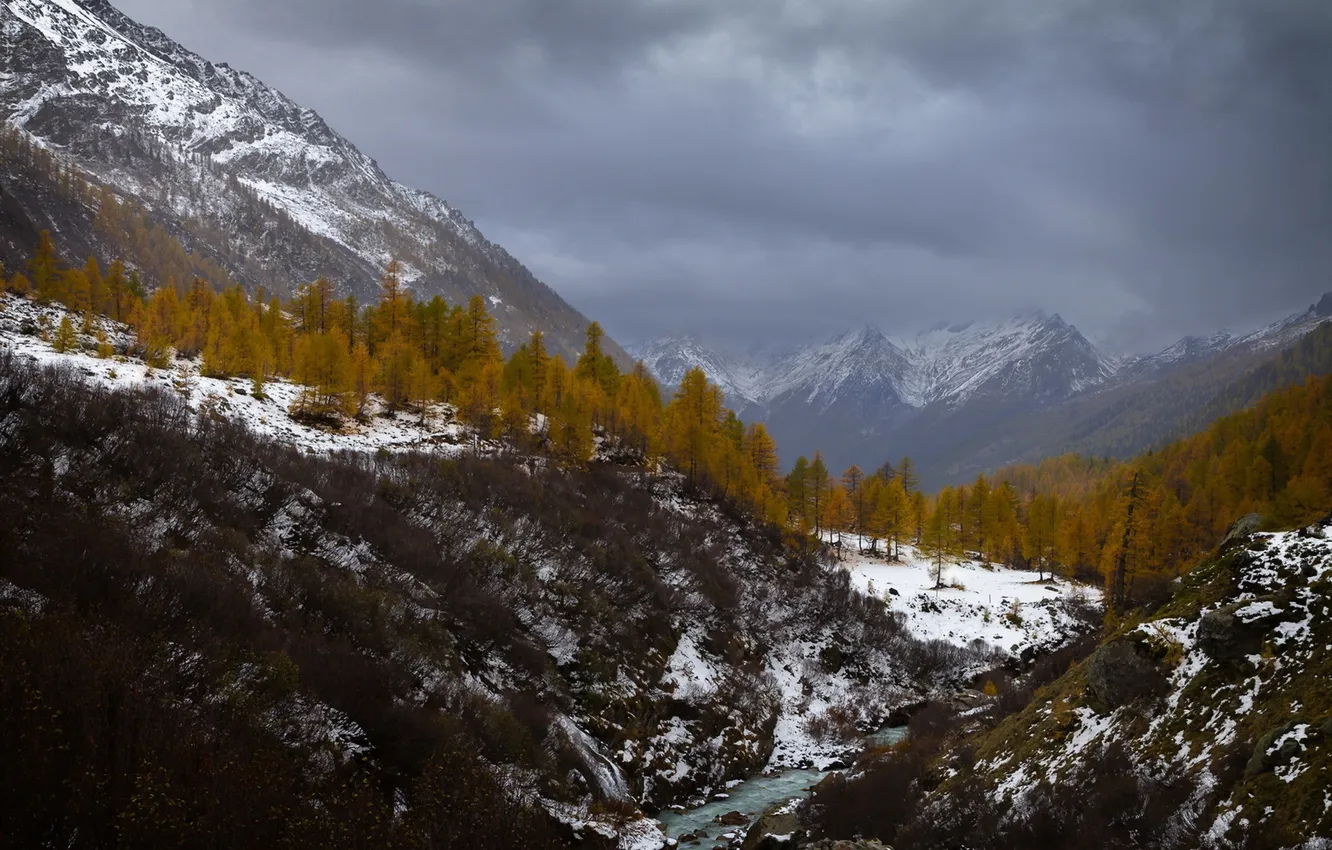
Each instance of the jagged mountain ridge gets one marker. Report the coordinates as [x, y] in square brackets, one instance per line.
[1192, 349]
[670, 357]
[967, 397]
[183, 136]
[1037, 355]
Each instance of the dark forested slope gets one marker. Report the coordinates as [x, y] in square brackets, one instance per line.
[213, 640]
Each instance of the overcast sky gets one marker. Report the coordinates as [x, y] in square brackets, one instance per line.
[768, 169]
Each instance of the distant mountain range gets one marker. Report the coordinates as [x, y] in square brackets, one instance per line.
[963, 398]
[236, 170]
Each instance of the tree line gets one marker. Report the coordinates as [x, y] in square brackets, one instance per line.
[1133, 525]
[411, 354]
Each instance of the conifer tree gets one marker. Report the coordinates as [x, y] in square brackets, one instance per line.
[483, 399]
[362, 376]
[540, 365]
[1042, 523]
[692, 424]
[350, 316]
[1119, 576]
[594, 364]
[65, 339]
[906, 470]
[44, 268]
[117, 292]
[763, 460]
[323, 368]
[392, 302]
[423, 386]
[71, 290]
[570, 419]
[890, 517]
[797, 498]
[941, 539]
[918, 514]
[838, 512]
[397, 363]
[817, 486]
[981, 516]
[480, 341]
[321, 299]
[851, 481]
[96, 287]
[639, 413]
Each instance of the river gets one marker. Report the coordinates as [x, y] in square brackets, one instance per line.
[752, 796]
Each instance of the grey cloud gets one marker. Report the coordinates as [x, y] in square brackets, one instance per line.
[757, 168]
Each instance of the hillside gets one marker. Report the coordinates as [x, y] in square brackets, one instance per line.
[1203, 724]
[237, 171]
[393, 605]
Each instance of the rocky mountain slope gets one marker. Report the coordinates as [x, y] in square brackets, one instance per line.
[239, 171]
[602, 642]
[1204, 724]
[961, 399]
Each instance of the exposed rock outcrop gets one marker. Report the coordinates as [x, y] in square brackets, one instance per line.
[1122, 672]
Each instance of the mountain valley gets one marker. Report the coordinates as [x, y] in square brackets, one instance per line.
[973, 397]
[327, 524]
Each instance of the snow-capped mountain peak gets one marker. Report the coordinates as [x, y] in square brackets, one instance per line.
[1192, 349]
[208, 148]
[1032, 355]
[668, 358]
[862, 362]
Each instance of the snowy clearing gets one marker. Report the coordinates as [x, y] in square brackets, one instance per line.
[1008, 609]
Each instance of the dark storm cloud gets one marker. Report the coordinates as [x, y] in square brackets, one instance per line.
[770, 168]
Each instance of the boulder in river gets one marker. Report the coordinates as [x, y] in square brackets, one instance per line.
[778, 827]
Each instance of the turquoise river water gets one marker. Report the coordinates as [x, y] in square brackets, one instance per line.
[752, 796]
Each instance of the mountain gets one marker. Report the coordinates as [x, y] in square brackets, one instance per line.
[1202, 724]
[856, 393]
[384, 629]
[238, 171]
[1034, 358]
[669, 358]
[1192, 349]
[968, 397]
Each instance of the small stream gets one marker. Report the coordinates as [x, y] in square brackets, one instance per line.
[754, 795]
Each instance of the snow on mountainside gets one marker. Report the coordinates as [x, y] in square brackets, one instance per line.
[670, 357]
[182, 136]
[1035, 357]
[1008, 609]
[1192, 349]
[860, 363]
[1223, 691]
[966, 398]
[659, 689]
[25, 329]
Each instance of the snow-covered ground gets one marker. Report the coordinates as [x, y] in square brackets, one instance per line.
[1008, 609]
[1211, 702]
[22, 325]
